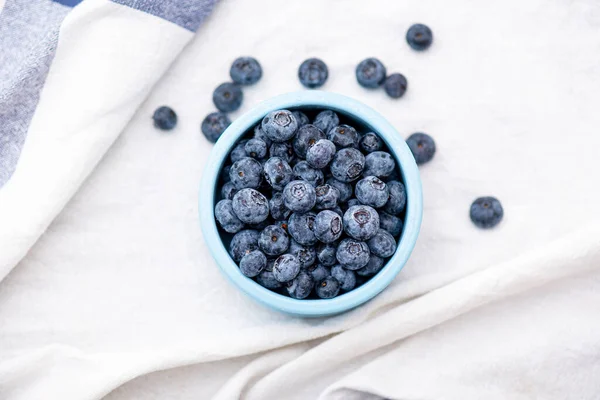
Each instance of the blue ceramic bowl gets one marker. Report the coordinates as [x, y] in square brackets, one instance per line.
[364, 118]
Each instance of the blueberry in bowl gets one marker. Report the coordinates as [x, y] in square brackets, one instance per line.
[323, 221]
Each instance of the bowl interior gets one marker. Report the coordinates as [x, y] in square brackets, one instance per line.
[364, 120]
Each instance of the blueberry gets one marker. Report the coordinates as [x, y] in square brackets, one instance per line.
[273, 241]
[486, 212]
[419, 37]
[320, 154]
[346, 278]
[326, 120]
[338, 211]
[326, 253]
[286, 268]
[353, 202]
[278, 210]
[379, 164]
[228, 97]
[382, 244]
[228, 191]
[328, 226]
[253, 263]
[300, 227]
[345, 189]
[214, 125]
[242, 243]
[278, 173]
[245, 71]
[395, 85]
[250, 206]
[370, 142]
[305, 172]
[301, 118]
[397, 201]
[370, 73]
[372, 191]
[328, 288]
[299, 196]
[374, 266]
[260, 134]
[267, 279]
[327, 197]
[283, 151]
[318, 272]
[422, 146]
[280, 125]
[361, 222]
[227, 218]
[164, 118]
[347, 165]
[313, 73]
[390, 223]
[343, 136]
[246, 173]
[306, 255]
[256, 148]
[306, 137]
[352, 254]
[301, 286]
[239, 151]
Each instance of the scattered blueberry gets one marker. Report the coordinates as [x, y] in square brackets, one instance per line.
[214, 125]
[328, 226]
[306, 255]
[273, 241]
[352, 254]
[228, 97]
[277, 208]
[278, 173]
[347, 165]
[343, 136]
[397, 201]
[326, 254]
[345, 189]
[250, 206]
[318, 272]
[245, 71]
[306, 137]
[301, 118]
[370, 73]
[379, 163]
[280, 126]
[486, 212]
[246, 173]
[256, 148]
[283, 151]
[374, 265]
[228, 191]
[301, 286]
[395, 85]
[327, 197]
[300, 227]
[327, 288]
[299, 196]
[422, 146]
[370, 142]
[286, 268]
[326, 120]
[372, 191]
[253, 263]
[305, 172]
[164, 118]
[313, 73]
[419, 37]
[382, 244]
[242, 243]
[346, 278]
[361, 222]
[320, 154]
[390, 223]
[227, 218]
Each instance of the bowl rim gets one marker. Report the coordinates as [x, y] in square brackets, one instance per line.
[412, 221]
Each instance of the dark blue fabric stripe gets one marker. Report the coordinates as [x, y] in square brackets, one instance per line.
[188, 14]
[68, 3]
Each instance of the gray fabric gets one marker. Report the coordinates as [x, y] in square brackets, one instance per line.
[188, 14]
[28, 39]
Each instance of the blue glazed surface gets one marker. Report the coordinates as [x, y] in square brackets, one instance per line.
[410, 174]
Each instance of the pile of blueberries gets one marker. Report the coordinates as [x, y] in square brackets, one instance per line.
[315, 209]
